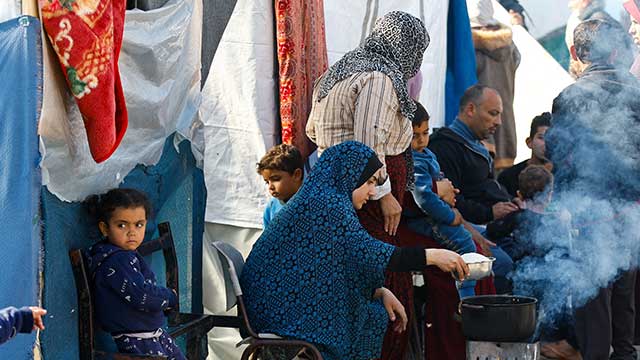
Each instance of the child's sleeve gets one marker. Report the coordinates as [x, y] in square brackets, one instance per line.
[122, 272]
[427, 200]
[268, 214]
[13, 321]
[266, 217]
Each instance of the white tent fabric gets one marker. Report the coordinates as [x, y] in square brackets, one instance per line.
[160, 71]
[348, 23]
[222, 341]
[539, 79]
[10, 9]
[239, 116]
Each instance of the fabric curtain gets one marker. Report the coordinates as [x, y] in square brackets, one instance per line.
[302, 58]
[461, 58]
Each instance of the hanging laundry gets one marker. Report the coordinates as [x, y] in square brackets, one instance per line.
[87, 36]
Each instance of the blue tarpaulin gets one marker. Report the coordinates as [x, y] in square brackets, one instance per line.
[461, 58]
[21, 94]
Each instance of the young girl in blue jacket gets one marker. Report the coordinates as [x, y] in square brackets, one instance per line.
[128, 302]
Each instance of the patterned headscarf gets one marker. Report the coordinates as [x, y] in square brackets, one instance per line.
[395, 47]
[312, 272]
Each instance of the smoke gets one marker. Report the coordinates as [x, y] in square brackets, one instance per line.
[592, 232]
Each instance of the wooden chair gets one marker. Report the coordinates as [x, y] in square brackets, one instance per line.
[232, 263]
[194, 326]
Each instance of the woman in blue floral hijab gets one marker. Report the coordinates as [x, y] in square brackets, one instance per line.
[315, 274]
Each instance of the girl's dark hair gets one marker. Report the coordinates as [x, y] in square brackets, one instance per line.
[420, 115]
[101, 207]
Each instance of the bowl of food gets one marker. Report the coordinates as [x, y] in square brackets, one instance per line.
[480, 266]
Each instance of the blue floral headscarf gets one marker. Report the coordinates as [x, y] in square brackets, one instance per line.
[312, 273]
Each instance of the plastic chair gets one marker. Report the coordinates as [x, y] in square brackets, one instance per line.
[232, 263]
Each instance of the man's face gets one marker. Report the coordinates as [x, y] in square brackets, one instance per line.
[486, 116]
[536, 144]
[634, 31]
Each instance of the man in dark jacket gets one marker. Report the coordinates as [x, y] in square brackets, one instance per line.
[594, 144]
[467, 163]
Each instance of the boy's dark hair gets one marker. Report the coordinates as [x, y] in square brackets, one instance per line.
[101, 207]
[595, 40]
[533, 180]
[543, 119]
[420, 115]
[283, 157]
[473, 94]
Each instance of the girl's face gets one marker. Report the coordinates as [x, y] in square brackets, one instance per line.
[360, 195]
[126, 227]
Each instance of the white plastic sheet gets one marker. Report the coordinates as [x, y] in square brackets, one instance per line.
[222, 341]
[239, 116]
[160, 70]
[348, 22]
[539, 79]
[10, 9]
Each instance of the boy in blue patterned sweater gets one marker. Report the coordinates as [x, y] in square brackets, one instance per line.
[128, 302]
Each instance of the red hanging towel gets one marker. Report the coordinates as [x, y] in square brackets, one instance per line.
[302, 57]
[87, 36]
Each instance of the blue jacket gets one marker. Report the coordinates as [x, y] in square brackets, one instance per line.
[126, 297]
[270, 211]
[427, 169]
[13, 321]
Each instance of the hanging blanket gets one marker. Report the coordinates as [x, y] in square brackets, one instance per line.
[87, 35]
[302, 57]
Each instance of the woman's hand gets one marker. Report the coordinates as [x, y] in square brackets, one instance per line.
[394, 309]
[391, 210]
[448, 261]
[447, 192]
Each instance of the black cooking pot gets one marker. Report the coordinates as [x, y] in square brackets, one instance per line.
[498, 318]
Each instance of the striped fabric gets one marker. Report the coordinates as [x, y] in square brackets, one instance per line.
[363, 107]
